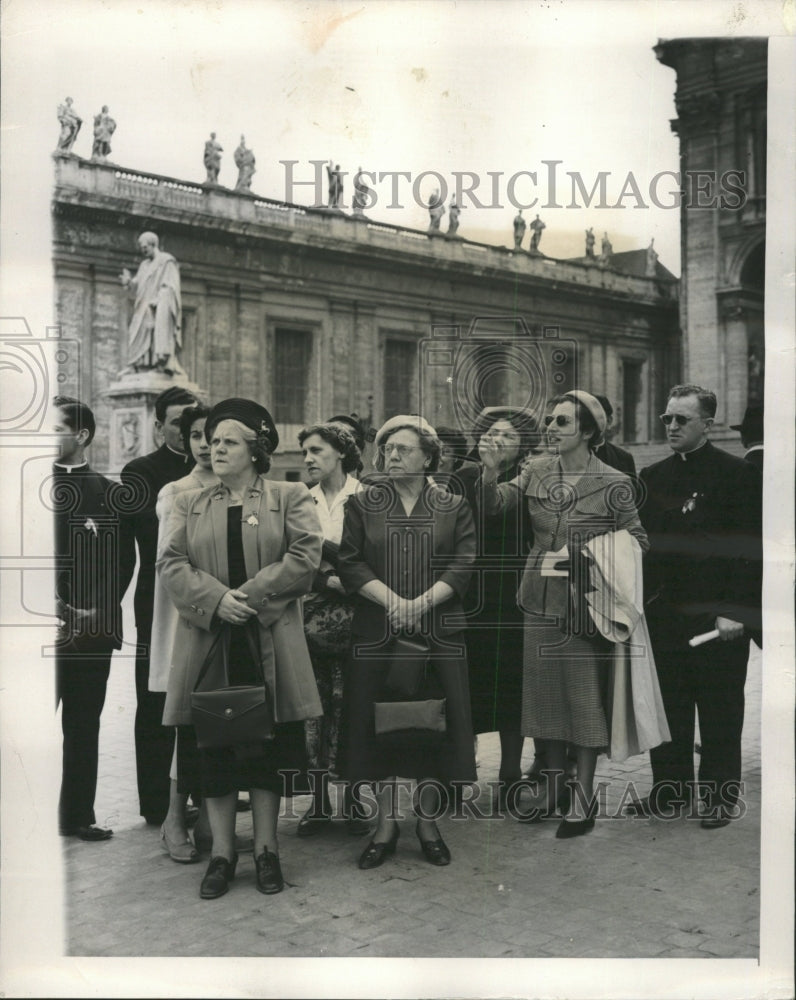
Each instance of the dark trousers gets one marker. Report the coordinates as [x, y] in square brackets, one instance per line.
[80, 687]
[154, 742]
[710, 680]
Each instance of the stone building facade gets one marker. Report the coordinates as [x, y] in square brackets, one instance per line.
[316, 312]
[721, 102]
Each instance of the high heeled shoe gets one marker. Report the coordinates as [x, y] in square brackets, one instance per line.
[184, 853]
[436, 852]
[376, 854]
[569, 828]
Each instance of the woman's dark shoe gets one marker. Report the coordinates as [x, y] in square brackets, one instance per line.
[219, 874]
[435, 851]
[574, 828]
[376, 854]
[313, 822]
[577, 827]
[269, 873]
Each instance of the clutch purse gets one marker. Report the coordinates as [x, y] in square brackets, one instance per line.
[394, 716]
[230, 716]
[410, 725]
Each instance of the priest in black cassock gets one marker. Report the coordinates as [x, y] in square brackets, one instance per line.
[88, 606]
[701, 508]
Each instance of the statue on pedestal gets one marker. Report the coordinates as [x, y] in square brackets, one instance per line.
[436, 209]
[212, 158]
[70, 126]
[520, 226]
[536, 230]
[104, 127]
[606, 250]
[590, 241]
[244, 161]
[361, 192]
[154, 335]
[453, 217]
[335, 185]
[652, 261]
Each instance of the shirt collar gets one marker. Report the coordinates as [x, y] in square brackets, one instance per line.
[70, 468]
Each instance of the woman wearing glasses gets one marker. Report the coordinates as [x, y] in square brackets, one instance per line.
[406, 552]
[571, 497]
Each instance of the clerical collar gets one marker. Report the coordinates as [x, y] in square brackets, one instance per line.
[688, 456]
[179, 454]
[70, 468]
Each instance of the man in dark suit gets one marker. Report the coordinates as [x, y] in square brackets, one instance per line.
[88, 605]
[612, 454]
[751, 428]
[144, 477]
[701, 509]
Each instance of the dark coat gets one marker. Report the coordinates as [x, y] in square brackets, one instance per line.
[702, 513]
[617, 458]
[86, 558]
[376, 525]
[144, 478]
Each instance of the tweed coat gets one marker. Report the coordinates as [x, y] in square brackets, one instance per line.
[592, 502]
[282, 550]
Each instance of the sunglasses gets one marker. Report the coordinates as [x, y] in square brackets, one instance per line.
[678, 418]
[559, 421]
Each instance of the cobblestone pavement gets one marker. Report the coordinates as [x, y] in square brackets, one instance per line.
[631, 888]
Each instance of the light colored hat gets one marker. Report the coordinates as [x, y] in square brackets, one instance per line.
[594, 406]
[413, 420]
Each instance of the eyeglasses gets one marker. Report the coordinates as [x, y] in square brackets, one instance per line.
[402, 449]
[678, 418]
[559, 421]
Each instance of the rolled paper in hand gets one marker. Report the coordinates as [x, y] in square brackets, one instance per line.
[698, 640]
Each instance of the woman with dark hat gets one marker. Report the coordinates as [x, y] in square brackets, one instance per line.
[571, 497]
[240, 556]
[495, 628]
[406, 552]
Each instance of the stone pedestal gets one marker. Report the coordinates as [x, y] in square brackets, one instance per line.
[132, 425]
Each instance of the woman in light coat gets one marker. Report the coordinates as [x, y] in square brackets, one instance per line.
[571, 497]
[243, 553]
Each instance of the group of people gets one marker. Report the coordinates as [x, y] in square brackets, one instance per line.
[394, 614]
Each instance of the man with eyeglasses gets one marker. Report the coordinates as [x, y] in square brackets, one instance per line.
[702, 512]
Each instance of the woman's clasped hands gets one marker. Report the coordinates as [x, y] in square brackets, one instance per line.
[404, 613]
[233, 608]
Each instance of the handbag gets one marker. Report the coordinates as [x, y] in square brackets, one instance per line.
[415, 725]
[408, 664]
[230, 716]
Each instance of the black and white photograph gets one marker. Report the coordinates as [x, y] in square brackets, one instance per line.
[394, 592]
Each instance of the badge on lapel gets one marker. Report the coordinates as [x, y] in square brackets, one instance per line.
[252, 520]
[690, 505]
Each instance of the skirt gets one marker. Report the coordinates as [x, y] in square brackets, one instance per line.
[565, 686]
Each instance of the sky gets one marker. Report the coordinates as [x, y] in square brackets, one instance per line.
[418, 86]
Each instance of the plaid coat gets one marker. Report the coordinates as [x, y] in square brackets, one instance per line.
[566, 509]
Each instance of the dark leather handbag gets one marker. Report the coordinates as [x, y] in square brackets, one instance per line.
[231, 716]
[408, 664]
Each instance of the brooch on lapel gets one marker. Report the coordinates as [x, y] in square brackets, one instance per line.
[690, 503]
[252, 520]
[90, 525]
